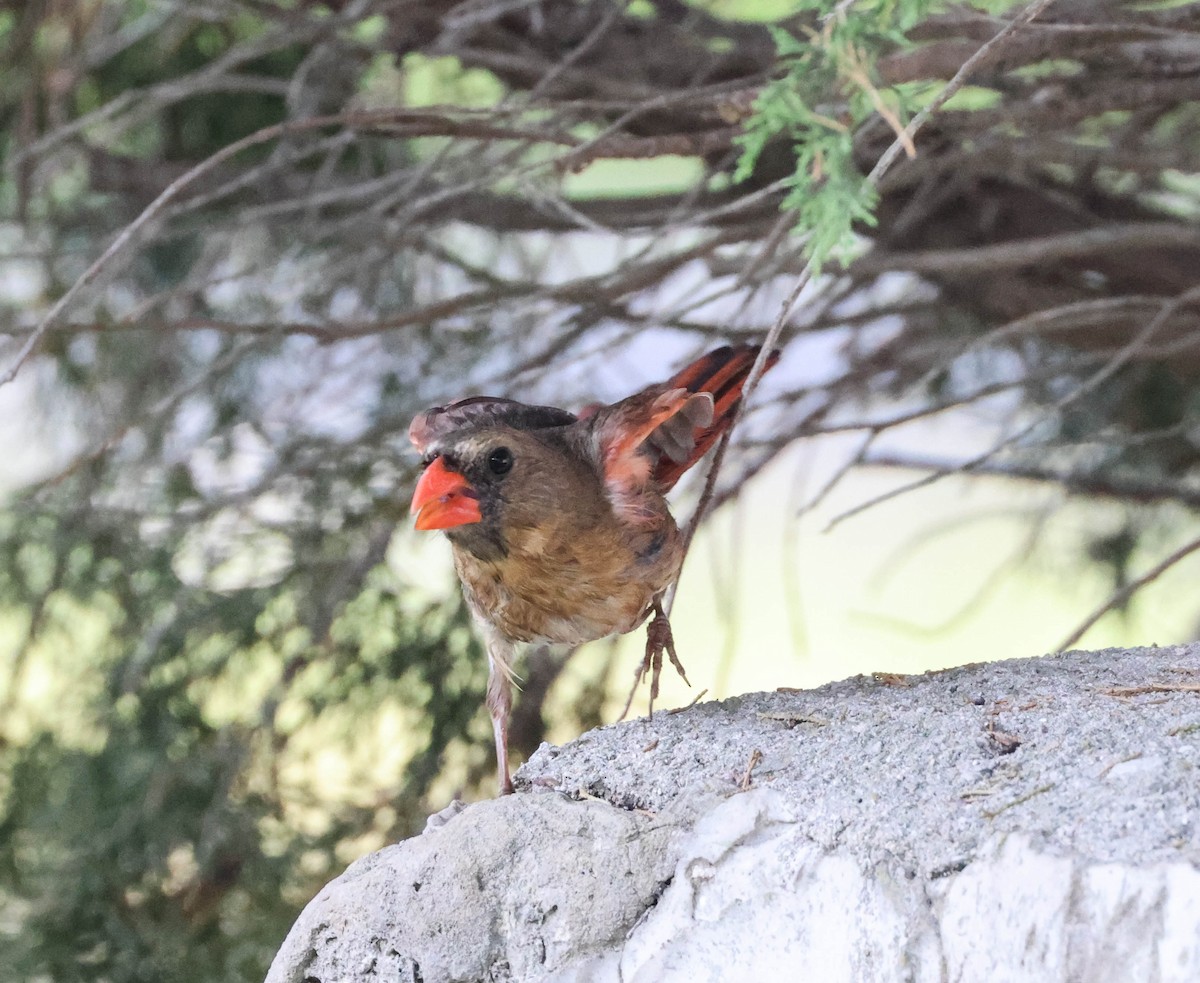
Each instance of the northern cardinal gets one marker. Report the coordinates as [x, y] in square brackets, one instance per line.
[559, 528]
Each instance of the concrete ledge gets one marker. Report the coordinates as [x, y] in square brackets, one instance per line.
[1026, 820]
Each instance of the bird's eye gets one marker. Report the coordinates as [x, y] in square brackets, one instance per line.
[500, 461]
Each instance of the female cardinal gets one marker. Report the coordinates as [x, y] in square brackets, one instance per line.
[558, 524]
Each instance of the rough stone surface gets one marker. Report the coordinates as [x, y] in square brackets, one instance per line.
[1026, 820]
[507, 890]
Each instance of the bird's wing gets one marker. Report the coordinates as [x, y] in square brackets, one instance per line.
[720, 374]
[647, 442]
[634, 436]
[436, 423]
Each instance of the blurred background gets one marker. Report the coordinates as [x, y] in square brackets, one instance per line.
[228, 666]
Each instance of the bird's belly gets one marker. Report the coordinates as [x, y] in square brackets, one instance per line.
[543, 602]
[587, 622]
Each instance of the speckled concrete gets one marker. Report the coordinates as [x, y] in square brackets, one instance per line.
[922, 768]
[1026, 820]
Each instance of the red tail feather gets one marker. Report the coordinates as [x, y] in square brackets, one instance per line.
[722, 372]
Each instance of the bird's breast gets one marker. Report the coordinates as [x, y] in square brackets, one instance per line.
[570, 585]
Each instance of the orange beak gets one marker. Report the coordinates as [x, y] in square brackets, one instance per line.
[444, 499]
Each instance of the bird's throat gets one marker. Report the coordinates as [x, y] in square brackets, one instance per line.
[482, 540]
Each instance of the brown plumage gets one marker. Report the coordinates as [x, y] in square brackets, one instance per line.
[558, 523]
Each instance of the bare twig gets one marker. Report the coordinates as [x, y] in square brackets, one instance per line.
[127, 235]
[1124, 692]
[886, 160]
[1020, 800]
[1033, 252]
[1110, 368]
[1103, 772]
[691, 703]
[747, 776]
[990, 49]
[1097, 484]
[1120, 596]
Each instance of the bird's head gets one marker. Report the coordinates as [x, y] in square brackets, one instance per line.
[462, 481]
[476, 484]
[496, 488]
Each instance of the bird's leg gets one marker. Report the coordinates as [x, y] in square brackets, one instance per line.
[499, 704]
[658, 640]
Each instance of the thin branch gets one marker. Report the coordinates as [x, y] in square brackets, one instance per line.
[1031, 253]
[632, 279]
[1097, 379]
[128, 234]
[990, 49]
[1119, 597]
[885, 162]
[924, 412]
[1090, 484]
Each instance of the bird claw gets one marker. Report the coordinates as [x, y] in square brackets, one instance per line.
[659, 639]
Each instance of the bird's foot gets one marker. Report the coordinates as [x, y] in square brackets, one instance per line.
[659, 639]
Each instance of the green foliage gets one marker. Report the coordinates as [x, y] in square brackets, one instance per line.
[152, 834]
[203, 122]
[824, 92]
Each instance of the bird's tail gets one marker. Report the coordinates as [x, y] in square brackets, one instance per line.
[722, 373]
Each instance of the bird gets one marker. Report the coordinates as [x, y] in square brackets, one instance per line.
[558, 524]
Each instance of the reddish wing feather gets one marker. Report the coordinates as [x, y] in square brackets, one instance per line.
[722, 372]
[625, 435]
[651, 438]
